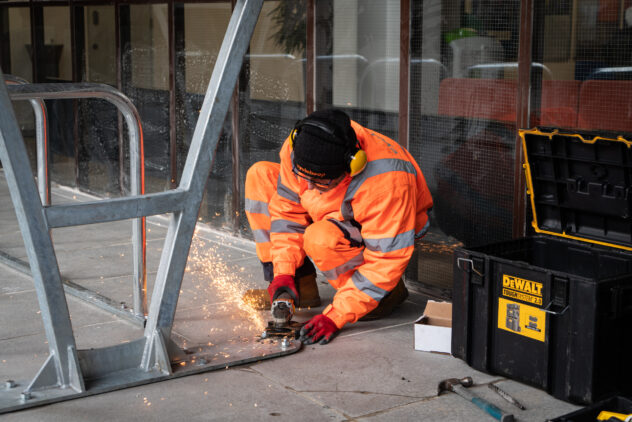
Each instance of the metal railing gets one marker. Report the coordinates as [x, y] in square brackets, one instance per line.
[19, 89]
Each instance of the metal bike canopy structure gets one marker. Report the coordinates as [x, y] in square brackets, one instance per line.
[70, 373]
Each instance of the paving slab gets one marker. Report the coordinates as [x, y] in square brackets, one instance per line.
[13, 281]
[11, 243]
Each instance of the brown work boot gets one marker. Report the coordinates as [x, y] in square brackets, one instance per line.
[388, 303]
[308, 296]
[305, 279]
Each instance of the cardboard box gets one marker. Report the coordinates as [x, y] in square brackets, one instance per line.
[433, 331]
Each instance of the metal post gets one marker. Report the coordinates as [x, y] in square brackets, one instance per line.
[404, 73]
[522, 115]
[310, 54]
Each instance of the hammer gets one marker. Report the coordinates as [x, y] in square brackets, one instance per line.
[459, 386]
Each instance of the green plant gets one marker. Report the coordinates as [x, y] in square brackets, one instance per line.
[290, 19]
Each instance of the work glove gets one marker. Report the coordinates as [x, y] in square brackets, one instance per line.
[318, 328]
[283, 284]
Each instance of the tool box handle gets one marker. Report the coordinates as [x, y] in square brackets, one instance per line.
[559, 295]
[472, 267]
[550, 312]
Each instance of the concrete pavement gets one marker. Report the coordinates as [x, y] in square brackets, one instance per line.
[369, 372]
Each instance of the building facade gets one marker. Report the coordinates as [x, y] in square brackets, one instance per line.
[452, 80]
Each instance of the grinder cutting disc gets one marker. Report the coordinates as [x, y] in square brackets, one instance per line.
[290, 329]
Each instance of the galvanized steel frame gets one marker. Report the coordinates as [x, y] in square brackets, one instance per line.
[36, 94]
[69, 373]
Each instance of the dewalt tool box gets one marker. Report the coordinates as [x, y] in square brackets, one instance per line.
[616, 404]
[555, 310]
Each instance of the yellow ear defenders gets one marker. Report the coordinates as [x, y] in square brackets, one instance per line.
[355, 158]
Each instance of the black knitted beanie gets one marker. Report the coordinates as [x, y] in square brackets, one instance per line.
[321, 149]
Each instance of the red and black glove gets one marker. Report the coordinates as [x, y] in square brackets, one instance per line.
[318, 328]
[283, 284]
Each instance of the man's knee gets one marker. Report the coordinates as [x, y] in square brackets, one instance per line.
[322, 237]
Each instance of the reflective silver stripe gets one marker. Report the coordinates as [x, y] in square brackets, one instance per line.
[286, 226]
[261, 235]
[389, 244]
[424, 230]
[257, 207]
[334, 273]
[373, 168]
[364, 285]
[286, 192]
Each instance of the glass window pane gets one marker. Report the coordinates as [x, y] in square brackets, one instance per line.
[586, 78]
[273, 98]
[276, 53]
[19, 43]
[54, 64]
[145, 78]
[366, 55]
[55, 58]
[204, 29]
[15, 39]
[98, 155]
[357, 47]
[100, 45]
[149, 46]
[463, 124]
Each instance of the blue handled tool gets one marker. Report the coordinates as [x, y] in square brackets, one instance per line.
[459, 386]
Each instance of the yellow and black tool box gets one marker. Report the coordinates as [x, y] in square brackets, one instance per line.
[620, 406]
[554, 310]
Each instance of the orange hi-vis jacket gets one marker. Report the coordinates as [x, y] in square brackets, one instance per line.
[388, 202]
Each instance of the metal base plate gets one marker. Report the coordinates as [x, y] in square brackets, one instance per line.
[192, 361]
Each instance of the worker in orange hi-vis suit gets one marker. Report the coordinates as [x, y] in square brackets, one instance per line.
[352, 200]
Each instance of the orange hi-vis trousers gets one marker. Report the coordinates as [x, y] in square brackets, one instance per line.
[335, 247]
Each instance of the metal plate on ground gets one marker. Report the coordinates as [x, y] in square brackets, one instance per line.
[192, 361]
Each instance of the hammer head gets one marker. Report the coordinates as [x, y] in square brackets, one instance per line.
[448, 384]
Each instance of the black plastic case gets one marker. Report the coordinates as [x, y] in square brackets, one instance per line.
[555, 310]
[589, 414]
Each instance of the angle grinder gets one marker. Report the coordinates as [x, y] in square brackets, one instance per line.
[282, 310]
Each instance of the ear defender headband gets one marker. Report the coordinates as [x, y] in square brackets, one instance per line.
[355, 157]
